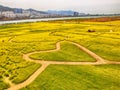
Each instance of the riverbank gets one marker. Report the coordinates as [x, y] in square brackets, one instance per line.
[53, 19]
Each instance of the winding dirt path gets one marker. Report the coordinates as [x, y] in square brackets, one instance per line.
[7, 80]
[10, 40]
[45, 64]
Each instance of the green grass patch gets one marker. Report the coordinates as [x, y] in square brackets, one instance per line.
[68, 52]
[61, 77]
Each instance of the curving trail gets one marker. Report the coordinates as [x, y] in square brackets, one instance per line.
[7, 80]
[10, 40]
[45, 64]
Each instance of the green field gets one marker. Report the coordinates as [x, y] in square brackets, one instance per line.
[69, 53]
[18, 39]
[60, 77]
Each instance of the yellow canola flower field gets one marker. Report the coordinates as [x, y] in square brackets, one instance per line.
[18, 39]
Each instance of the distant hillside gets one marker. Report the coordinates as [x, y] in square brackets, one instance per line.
[3, 8]
[36, 11]
[62, 12]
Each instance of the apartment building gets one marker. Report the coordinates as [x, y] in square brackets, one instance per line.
[9, 14]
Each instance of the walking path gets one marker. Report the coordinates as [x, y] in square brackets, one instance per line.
[7, 80]
[45, 64]
[10, 40]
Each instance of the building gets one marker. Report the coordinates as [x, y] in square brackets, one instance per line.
[63, 13]
[26, 13]
[18, 10]
[43, 15]
[82, 14]
[9, 14]
[0, 13]
[34, 14]
[76, 14]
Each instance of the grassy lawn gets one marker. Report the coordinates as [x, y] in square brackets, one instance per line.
[61, 77]
[68, 52]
